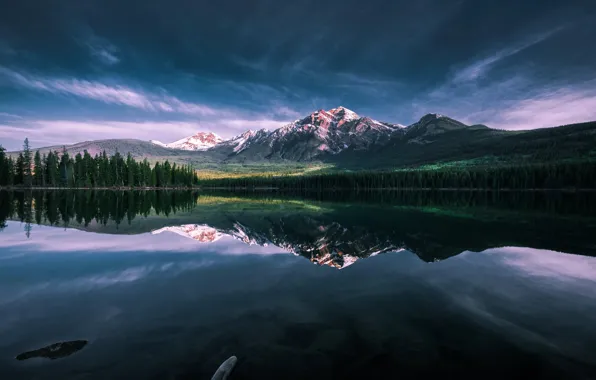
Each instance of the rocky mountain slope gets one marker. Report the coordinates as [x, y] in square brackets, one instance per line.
[320, 133]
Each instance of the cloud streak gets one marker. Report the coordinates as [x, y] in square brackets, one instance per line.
[515, 101]
[481, 67]
[57, 132]
[104, 52]
[549, 109]
[111, 94]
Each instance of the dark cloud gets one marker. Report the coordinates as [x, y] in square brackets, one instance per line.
[272, 60]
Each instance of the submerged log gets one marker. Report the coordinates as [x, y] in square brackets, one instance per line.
[54, 351]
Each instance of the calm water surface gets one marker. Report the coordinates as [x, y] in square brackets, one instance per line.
[169, 285]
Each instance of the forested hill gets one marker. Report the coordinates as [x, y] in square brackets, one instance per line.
[478, 147]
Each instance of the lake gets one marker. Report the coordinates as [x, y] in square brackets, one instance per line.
[168, 285]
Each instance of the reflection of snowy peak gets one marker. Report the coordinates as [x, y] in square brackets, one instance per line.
[202, 233]
[331, 244]
[246, 236]
[207, 234]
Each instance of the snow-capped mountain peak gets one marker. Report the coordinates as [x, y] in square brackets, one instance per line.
[198, 141]
[322, 132]
[344, 113]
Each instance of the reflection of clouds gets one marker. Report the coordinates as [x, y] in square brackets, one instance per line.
[538, 300]
[56, 239]
[104, 280]
[544, 263]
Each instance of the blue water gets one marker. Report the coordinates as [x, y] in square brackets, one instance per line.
[164, 306]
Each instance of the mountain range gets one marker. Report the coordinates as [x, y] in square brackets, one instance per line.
[345, 139]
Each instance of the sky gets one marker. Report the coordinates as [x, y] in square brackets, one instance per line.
[78, 70]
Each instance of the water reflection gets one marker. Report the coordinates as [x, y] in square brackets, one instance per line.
[328, 233]
[456, 285]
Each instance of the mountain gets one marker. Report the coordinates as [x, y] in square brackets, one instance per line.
[137, 148]
[342, 138]
[319, 134]
[345, 139]
[322, 132]
[238, 144]
[199, 141]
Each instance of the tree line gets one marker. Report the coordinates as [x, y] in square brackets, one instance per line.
[56, 169]
[550, 175]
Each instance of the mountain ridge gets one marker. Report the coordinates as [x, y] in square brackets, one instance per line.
[344, 139]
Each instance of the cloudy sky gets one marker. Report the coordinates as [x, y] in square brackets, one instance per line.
[74, 70]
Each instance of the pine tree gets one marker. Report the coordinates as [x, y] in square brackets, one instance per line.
[64, 161]
[4, 169]
[27, 177]
[19, 170]
[10, 171]
[38, 179]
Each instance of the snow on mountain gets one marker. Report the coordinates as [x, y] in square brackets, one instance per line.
[328, 132]
[322, 132]
[244, 140]
[158, 143]
[199, 141]
[344, 113]
[198, 232]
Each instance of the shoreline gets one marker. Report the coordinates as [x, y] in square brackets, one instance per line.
[272, 188]
[123, 188]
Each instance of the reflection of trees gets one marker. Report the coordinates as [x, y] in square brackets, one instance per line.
[84, 207]
[27, 212]
[431, 224]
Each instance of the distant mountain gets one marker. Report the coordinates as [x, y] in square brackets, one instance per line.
[199, 141]
[347, 140]
[137, 148]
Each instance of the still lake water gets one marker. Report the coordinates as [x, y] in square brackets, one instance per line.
[383, 285]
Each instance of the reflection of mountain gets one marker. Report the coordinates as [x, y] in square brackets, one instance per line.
[326, 245]
[434, 226]
[201, 233]
[343, 234]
